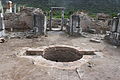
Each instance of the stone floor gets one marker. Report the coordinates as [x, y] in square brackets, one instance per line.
[16, 68]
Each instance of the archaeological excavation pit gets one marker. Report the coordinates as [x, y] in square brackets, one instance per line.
[62, 54]
[59, 56]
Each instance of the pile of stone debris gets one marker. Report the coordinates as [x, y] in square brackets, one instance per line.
[22, 35]
[92, 25]
[22, 20]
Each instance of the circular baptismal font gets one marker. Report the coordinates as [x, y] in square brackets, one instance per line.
[62, 54]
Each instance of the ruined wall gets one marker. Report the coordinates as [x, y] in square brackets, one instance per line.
[22, 20]
[39, 21]
[18, 21]
[102, 16]
[74, 25]
[88, 23]
[114, 35]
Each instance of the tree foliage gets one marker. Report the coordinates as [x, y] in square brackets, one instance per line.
[93, 6]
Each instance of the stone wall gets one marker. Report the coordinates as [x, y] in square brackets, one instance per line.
[114, 35]
[39, 21]
[22, 20]
[88, 23]
[18, 21]
[74, 25]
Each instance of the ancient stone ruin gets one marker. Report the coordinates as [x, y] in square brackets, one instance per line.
[38, 45]
[58, 55]
[40, 23]
[51, 15]
[75, 26]
[114, 35]
[30, 20]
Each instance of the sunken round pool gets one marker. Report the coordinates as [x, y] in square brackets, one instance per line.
[62, 54]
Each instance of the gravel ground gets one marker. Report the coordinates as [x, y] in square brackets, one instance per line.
[14, 68]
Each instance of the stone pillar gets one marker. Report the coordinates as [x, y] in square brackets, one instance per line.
[10, 2]
[50, 27]
[75, 27]
[62, 21]
[19, 9]
[15, 8]
[1, 7]
[2, 25]
[72, 25]
[68, 26]
[45, 25]
[118, 30]
[114, 24]
[35, 28]
[70, 29]
[9, 7]
[39, 24]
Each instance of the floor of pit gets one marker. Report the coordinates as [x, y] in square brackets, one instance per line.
[14, 68]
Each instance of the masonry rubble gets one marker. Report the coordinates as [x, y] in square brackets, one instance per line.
[74, 27]
[103, 16]
[24, 20]
[95, 40]
[55, 23]
[89, 24]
